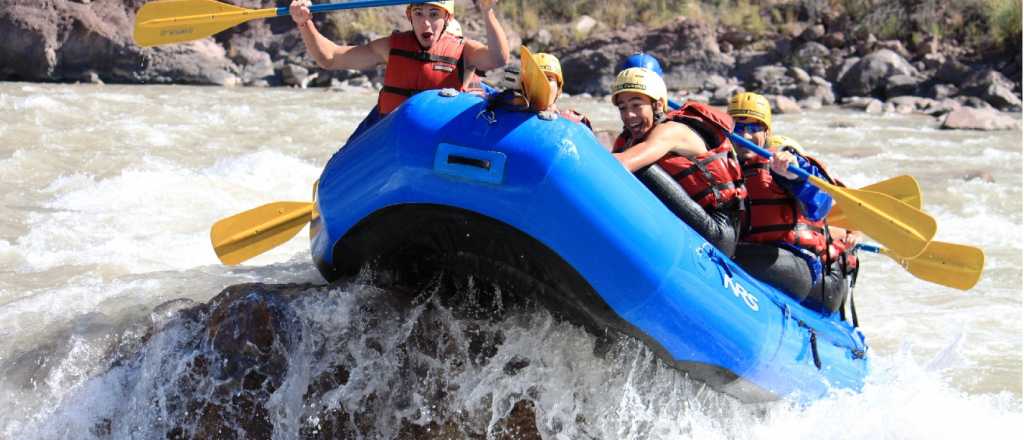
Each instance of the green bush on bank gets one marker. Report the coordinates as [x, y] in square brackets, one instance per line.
[979, 24]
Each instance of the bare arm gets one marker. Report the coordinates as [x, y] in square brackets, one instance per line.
[496, 53]
[669, 137]
[332, 56]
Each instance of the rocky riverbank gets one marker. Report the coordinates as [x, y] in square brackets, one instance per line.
[803, 69]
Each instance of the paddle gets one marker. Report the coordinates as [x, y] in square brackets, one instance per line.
[535, 82]
[253, 232]
[902, 188]
[953, 265]
[901, 227]
[175, 21]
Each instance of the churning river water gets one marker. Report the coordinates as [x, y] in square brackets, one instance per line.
[109, 193]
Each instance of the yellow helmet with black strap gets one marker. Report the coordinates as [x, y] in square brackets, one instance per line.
[751, 105]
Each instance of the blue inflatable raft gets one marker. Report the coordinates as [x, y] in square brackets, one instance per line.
[446, 182]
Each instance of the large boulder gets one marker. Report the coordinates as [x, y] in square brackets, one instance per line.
[869, 75]
[901, 85]
[687, 49]
[809, 54]
[966, 118]
[993, 87]
[952, 72]
[60, 40]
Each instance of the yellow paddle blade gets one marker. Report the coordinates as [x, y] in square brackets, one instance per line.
[902, 188]
[253, 232]
[900, 227]
[535, 83]
[175, 21]
[949, 264]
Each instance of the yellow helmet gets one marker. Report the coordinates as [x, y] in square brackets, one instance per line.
[447, 5]
[778, 141]
[549, 64]
[642, 81]
[751, 105]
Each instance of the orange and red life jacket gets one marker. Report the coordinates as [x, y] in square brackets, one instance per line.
[713, 179]
[411, 69]
[774, 215]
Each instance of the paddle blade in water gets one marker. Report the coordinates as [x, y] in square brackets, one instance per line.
[902, 188]
[253, 232]
[175, 21]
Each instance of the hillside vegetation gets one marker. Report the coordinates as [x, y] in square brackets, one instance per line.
[982, 25]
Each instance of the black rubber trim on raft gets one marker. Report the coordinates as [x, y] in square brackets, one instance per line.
[417, 242]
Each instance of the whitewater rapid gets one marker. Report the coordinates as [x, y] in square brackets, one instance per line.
[110, 192]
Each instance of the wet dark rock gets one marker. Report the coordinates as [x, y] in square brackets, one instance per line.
[840, 69]
[810, 53]
[942, 91]
[57, 40]
[869, 75]
[992, 87]
[765, 76]
[868, 105]
[747, 62]
[901, 85]
[256, 65]
[688, 50]
[722, 94]
[822, 92]
[974, 102]
[952, 72]
[520, 424]
[295, 75]
[933, 61]
[514, 365]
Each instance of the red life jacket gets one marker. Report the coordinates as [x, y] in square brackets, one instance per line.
[411, 69]
[713, 179]
[621, 142]
[837, 250]
[775, 216]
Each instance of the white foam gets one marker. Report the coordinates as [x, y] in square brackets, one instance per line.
[157, 215]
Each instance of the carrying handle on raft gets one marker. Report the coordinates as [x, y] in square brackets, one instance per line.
[901, 227]
[175, 21]
[948, 264]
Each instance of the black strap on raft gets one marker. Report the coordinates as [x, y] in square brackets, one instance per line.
[814, 349]
[814, 342]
